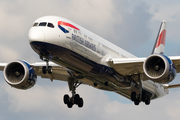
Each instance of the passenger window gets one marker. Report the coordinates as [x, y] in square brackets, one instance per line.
[50, 25]
[42, 24]
[75, 31]
[35, 24]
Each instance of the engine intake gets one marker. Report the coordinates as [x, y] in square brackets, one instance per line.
[20, 74]
[159, 68]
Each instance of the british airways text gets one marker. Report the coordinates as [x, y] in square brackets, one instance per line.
[84, 42]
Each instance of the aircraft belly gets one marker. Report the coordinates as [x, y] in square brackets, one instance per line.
[88, 71]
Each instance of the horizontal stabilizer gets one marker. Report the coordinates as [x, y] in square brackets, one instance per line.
[171, 86]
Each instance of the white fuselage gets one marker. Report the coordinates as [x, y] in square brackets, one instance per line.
[71, 41]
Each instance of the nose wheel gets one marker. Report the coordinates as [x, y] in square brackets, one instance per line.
[47, 68]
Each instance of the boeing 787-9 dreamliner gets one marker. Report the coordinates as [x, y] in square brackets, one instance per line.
[73, 54]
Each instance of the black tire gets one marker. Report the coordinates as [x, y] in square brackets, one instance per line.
[44, 71]
[80, 104]
[147, 101]
[76, 99]
[133, 96]
[136, 102]
[143, 97]
[66, 99]
[49, 69]
[69, 105]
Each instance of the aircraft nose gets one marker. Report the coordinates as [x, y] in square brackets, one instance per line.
[35, 34]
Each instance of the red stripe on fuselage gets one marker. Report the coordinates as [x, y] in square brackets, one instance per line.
[67, 24]
[161, 39]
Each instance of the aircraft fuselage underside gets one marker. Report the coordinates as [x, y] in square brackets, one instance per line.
[89, 72]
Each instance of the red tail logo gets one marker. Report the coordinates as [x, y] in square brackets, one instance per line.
[161, 39]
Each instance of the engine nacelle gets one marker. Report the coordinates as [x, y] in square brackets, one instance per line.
[20, 74]
[159, 68]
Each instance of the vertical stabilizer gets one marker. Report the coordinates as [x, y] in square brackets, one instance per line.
[160, 40]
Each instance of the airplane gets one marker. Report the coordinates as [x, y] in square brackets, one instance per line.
[73, 54]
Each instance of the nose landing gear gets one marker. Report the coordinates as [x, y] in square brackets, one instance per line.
[47, 68]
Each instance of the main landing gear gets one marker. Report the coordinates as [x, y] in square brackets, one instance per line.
[137, 98]
[70, 101]
[75, 99]
[73, 83]
[142, 96]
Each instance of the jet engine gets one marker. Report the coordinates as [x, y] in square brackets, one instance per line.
[20, 74]
[159, 68]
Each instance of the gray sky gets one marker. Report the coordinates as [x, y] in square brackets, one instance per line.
[130, 24]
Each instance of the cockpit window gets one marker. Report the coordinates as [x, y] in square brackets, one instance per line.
[50, 25]
[42, 24]
[35, 24]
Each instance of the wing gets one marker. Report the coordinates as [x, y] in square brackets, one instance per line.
[2, 65]
[128, 66]
[176, 61]
[59, 73]
[134, 66]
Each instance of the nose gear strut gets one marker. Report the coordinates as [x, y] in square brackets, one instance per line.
[46, 68]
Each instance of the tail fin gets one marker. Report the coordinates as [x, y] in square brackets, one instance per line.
[160, 40]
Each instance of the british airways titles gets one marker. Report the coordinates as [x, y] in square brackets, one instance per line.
[84, 42]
